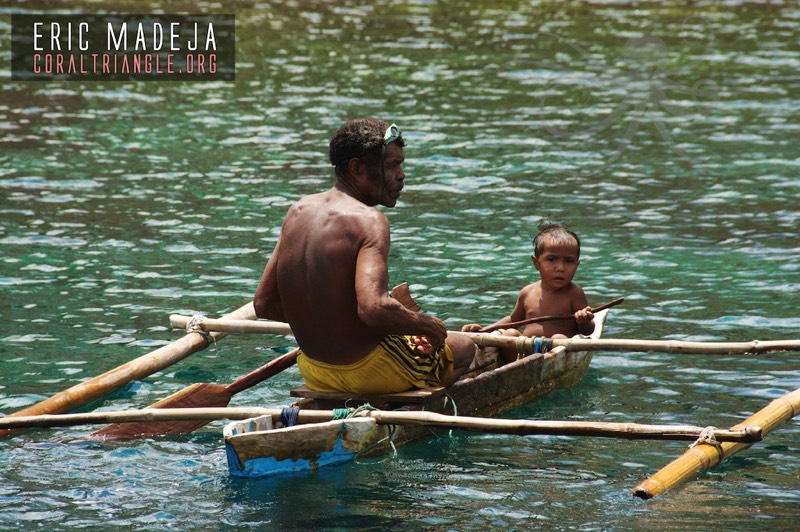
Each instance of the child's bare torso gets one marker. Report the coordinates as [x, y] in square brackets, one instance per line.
[536, 302]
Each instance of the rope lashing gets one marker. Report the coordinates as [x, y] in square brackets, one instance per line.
[194, 325]
[520, 345]
[341, 413]
[363, 408]
[388, 439]
[348, 412]
[289, 416]
[707, 437]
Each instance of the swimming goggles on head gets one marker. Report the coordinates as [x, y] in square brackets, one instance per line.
[392, 134]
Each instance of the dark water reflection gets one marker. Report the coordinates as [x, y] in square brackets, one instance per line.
[663, 134]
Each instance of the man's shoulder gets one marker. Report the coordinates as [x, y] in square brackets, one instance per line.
[347, 211]
[311, 199]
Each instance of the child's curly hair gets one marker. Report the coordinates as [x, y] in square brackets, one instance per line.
[555, 231]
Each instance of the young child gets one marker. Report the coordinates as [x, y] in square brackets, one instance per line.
[556, 256]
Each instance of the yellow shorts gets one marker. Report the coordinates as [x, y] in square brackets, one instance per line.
[393, 366]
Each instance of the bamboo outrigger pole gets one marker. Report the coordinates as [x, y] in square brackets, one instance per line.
[705, 455]
[524, 344]
[520, 427]
[139, 368]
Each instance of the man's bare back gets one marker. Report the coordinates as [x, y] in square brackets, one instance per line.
[328, 275]
[321, 240]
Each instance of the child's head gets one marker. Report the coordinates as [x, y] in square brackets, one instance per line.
[554, 233]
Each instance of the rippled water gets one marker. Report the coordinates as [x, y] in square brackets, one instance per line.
[665, 135]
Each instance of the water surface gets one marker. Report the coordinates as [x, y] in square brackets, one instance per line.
[664, 134]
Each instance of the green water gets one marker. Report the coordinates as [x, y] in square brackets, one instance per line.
[663, 133]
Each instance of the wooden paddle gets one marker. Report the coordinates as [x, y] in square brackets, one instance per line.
[520, 323]
[704, 456]
[521, 427]
[199, 395]
[136, 369]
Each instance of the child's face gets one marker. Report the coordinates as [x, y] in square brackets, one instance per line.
[557, 263]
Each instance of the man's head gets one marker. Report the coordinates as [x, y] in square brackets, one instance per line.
[362, 139]
[368, 154]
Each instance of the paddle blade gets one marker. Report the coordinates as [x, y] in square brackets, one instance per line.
[195, 396]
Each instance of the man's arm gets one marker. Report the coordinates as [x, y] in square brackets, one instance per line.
[376, 308]
[267, 299]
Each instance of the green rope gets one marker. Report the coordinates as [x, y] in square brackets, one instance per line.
[363, 408]
[341, 413]
[345, 413]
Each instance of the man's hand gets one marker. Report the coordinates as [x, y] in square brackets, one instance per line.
[423, 345]
[471, 327]
[437, 334]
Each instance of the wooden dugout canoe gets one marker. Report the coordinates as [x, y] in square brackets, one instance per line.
[260, 447]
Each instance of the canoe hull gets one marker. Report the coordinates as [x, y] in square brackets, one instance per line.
[298, 448]
[255, 448]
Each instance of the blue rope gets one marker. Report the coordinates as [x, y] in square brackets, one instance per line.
[547, 344]
[289, 416]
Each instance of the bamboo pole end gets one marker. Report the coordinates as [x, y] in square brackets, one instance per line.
[648, 489]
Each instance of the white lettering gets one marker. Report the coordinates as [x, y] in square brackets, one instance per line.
[37, 36]
[158, 36]
[192, 44]
[211, 38]
[120, 41]
[175, 32]
[55, 33]
[140, 38]
[83, 42]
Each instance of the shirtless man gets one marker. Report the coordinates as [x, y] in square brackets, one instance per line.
[557, 252]
[328, 278]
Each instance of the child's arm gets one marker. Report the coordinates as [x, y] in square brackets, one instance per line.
[475, 327]
[583, 316]
[517, 314]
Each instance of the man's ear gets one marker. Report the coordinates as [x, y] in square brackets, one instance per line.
[355, 167]
[535, 262]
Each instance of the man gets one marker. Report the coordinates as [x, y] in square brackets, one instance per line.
[328, 278]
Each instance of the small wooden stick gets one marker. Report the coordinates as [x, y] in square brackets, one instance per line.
[515, 324]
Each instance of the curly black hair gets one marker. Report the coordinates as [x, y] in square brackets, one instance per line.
[358, 138]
